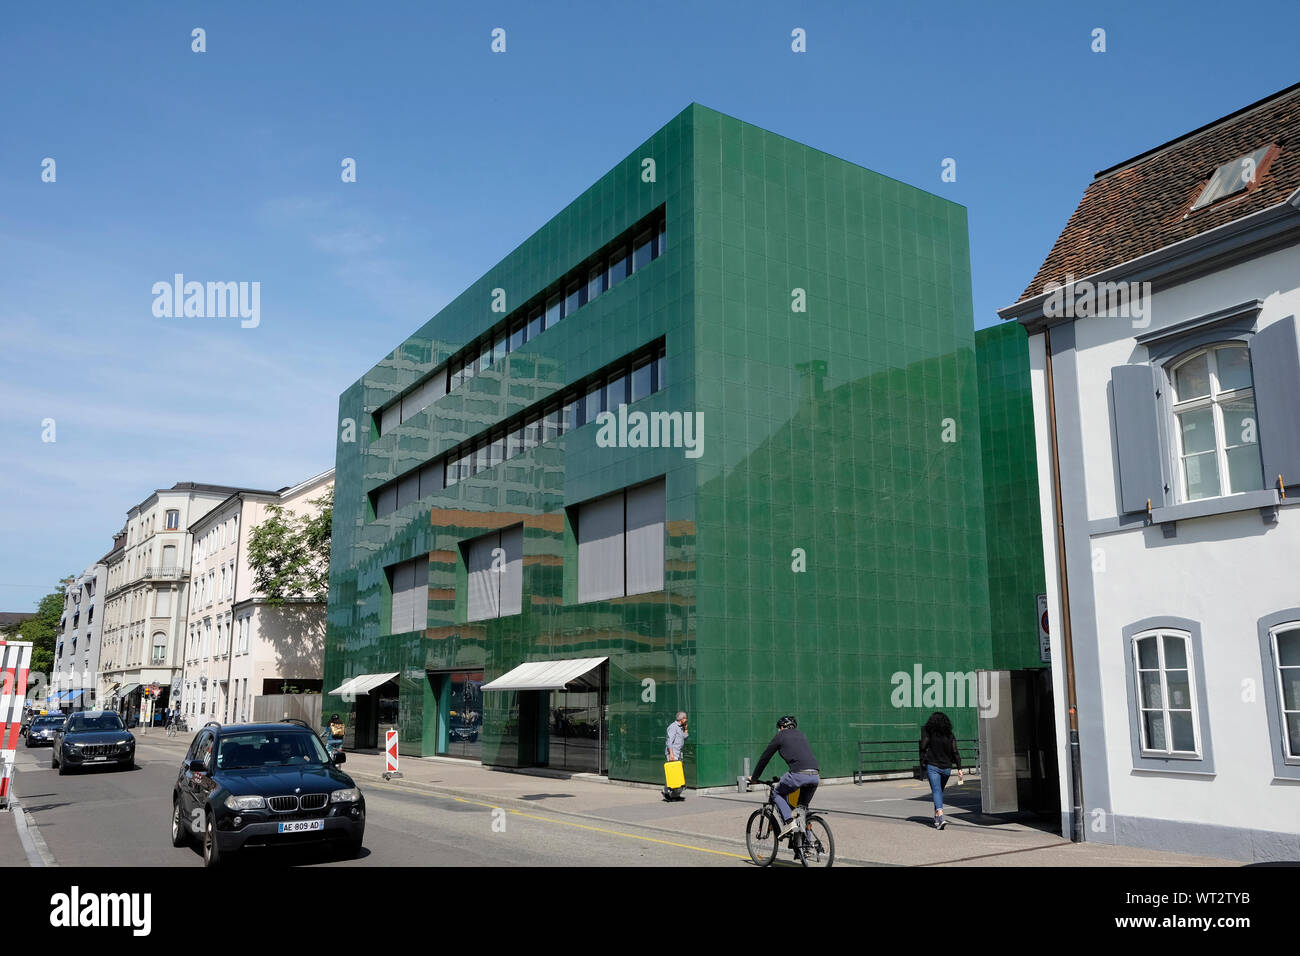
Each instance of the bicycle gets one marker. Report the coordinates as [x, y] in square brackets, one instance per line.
[177, 724]
[811, 840]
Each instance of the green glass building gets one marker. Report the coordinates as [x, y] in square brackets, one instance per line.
[709, 440]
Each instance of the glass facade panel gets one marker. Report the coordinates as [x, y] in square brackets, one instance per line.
[616, 392]
[575, 299]
[518, 332]
[595, 283]
[644, 252]
[554, 312]
[594, 403]
[642, 378]
[619, 268]
[534, 326]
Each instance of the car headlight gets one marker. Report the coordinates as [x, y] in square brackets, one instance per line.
[245, 803]
[347, 795]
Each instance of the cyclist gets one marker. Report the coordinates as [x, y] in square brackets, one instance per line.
[804, 773]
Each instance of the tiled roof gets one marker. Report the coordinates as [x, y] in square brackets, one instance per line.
[1142, 205]
[14, 617]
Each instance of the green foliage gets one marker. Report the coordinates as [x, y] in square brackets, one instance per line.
[43, 630]
[289, 554]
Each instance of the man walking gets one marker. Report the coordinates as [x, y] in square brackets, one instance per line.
[673, 750]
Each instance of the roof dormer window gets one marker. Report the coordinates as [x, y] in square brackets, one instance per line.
[1233, 177]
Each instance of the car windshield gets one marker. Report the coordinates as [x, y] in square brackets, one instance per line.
[258, 749]
[79, 723]
[44, 722]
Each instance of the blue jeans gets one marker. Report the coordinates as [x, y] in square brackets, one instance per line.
[788, 784]
[938, 780]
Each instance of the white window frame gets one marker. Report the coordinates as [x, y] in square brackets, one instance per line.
[1214, 401]
[1273, 633]
[1148, 751]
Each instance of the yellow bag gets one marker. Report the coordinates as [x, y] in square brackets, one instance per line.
[674, 775]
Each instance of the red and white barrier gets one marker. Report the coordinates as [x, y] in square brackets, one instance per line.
[390, 751]
[15, 659]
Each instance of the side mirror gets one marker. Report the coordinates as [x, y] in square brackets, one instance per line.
[339, 757]
[197, 766]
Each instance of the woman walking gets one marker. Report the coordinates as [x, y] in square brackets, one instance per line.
[939, 757]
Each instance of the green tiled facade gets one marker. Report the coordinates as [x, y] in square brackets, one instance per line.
[842, 419]
[1015, 541]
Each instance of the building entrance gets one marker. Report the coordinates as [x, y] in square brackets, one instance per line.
[458, 697]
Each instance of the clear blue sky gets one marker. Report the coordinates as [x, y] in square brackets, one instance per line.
[225, 166]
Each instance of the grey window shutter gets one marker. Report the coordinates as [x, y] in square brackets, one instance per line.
[408, 489]
[431, 479]
[1275, 364]
[483, 600]
[645, 538]
[1137, 437]
[419, 599]
[600, 549]
[512, 578]
[401, 613]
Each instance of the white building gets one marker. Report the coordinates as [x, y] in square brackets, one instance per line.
[146, 595]
[238, 647]
[1173, 456]
[73, 683]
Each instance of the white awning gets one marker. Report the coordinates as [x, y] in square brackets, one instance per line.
[362, 684]
[545, 675]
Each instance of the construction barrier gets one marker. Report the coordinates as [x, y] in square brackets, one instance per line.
[15, 659]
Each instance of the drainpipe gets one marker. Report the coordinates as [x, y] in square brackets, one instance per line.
[234, 599]
[1067, 637]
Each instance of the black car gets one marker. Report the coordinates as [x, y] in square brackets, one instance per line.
[93, 739]
[264, 785]
[41, 731]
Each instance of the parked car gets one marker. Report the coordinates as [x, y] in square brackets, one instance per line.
[42, 729]
[264, 785]
[91, 739]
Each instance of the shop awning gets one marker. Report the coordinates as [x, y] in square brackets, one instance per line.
[362, 684]
[126, 691]
[545, 675]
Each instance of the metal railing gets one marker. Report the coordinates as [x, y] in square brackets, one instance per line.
[903, 756]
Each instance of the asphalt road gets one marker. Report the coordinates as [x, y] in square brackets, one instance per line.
[107, 817]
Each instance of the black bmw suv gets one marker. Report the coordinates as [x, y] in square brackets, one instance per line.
[264, 785]
[92, 739]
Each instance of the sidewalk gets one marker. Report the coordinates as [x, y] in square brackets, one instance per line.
[882, 822]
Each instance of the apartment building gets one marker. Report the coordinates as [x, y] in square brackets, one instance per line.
[146, 596]
[237, 646]
[74, 683]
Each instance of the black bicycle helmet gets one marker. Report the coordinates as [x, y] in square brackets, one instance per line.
[787, 723]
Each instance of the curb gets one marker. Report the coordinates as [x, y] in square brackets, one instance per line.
[29, 834]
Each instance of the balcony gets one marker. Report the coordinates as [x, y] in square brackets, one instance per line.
[169, 573]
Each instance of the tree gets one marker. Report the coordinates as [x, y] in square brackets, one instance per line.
[43, 630]
[289, 554]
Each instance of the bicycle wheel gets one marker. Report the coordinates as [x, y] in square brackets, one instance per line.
[818, 847]
[760, 836]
